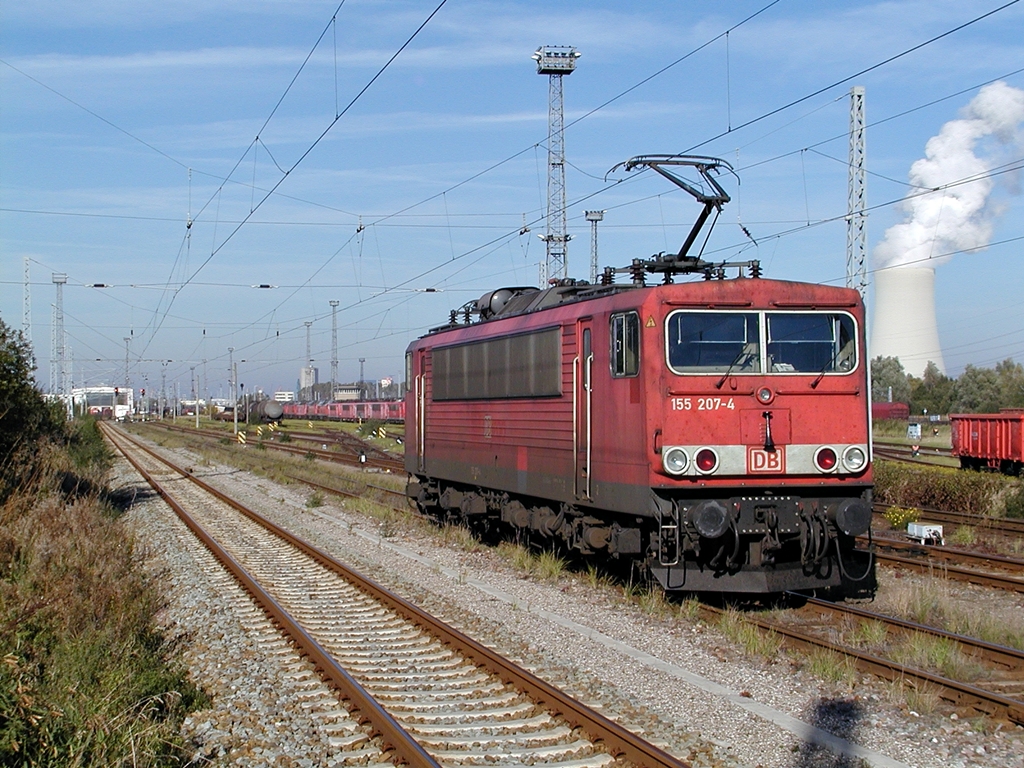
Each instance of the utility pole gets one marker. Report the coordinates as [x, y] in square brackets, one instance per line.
[362, 361]
[334, 346]
[857, 197]
[555, 61]
[593, 217]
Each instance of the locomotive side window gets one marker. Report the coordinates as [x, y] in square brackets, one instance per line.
[625, 339]
[810, 342]
[527, 365]
[714, 342]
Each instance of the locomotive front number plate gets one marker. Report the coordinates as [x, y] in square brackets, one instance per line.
[762, 461]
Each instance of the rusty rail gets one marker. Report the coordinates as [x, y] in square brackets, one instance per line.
[395, 738]
[619, 741]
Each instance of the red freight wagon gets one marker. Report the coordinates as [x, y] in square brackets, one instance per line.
[989, 440]
[886, 410]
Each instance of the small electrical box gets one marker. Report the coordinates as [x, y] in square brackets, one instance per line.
[926, 533]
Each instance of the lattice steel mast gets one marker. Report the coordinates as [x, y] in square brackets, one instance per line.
[555, 61]
[26, 317]
[856, 207]
[59, 350]
[334, 345]
[593, 217]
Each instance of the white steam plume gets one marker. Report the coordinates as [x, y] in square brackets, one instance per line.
[956, 218]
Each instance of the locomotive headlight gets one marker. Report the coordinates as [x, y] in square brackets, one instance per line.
[675, 460]
[854, 458]
[765, 395]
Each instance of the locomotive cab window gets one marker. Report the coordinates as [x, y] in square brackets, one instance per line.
[625, 341]
[810, 342]
[714, 342]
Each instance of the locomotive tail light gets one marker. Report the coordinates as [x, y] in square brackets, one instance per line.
[675, 460]
[706, 461]
[851, 516]
[825, 459]
[709, 518]
[854, 458]
[765, 395]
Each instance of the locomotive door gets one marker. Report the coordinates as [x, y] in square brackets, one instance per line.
[420, 416]
[583, 391]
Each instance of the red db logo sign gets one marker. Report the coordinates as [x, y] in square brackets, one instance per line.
[760, 460]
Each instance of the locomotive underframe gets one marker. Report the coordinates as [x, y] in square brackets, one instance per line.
[767, 542]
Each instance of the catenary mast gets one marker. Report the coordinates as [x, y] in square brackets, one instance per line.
[856, 206]
[555, 61]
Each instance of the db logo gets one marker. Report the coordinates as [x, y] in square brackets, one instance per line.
[760, 460]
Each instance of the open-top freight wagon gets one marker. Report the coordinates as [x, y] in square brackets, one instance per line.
[989, 440]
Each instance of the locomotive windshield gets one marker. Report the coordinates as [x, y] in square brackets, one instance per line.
[760, 342]
[810, 342]
[714, 342]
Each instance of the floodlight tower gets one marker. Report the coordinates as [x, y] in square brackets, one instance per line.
[856, 204]
[555, 61]
[59, 351]
[593, 217]
[334, 345]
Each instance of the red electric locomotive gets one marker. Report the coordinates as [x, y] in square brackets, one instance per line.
[715, 432]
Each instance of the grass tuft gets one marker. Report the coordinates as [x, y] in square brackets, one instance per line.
[831, 666]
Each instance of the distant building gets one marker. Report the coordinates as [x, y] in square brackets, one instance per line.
[103, 402]
[344, 392]
[308, 377]
[283, 396]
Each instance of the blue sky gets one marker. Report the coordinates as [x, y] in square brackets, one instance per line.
[121, 119]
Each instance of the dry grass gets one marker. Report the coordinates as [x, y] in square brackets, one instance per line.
[545, 565]
[937, 654]
[753, 640]
[929, 602]
[831, 666]
[85, 679]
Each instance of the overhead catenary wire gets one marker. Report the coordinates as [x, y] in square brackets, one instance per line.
[314, 275]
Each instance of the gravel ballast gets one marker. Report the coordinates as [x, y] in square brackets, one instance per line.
[680, 682]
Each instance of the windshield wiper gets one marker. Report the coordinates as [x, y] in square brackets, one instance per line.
[721, 381]
[821, 373]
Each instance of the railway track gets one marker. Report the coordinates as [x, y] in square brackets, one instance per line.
[353, 457]
[432, 695]
[904, 448]
[1000, 700]
[1005, 525]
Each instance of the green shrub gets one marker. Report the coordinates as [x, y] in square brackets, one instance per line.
[1015, 502]
[905, 485]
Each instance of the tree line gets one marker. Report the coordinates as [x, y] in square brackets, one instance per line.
[976, 390]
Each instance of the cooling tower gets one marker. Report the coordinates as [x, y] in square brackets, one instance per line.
[904, 318]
